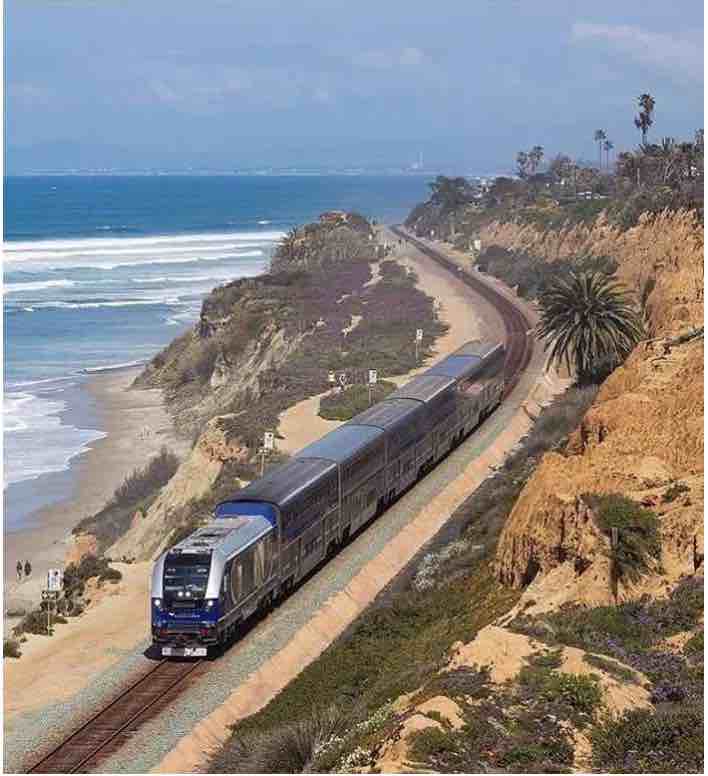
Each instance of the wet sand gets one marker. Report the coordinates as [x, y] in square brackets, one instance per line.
[136, 426]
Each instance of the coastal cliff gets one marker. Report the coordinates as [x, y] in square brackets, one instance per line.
[643, 436]
[539, 637]
[331, 301]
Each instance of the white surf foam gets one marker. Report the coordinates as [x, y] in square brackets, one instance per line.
[37, 442]
[15, 248]
[90, 370]
[37, 285]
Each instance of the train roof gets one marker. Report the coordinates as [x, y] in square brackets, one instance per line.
[282, 484]
[456, 367]
[341, 444]
[472, 348]
[425, 388]
[386, 414]
[227, 534]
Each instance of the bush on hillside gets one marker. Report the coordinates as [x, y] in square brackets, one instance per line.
[142, 483]
[11, 648]
[344, 405]
[137, 492]
[286, 748]
[650, 741]
[77, 574]
[637, 529]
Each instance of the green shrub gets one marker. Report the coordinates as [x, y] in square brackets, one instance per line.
[136, 492]
[110, 575]
[674, 491]
[639, 540]
[286, 748]
[344, 405]
[141, 483]
[431, 743]
[694, 644]
[649, 741]
[77, 574]
[499, 734]
[34, 622]
[465, 681]
[11, 648]
[531, 757]
[611, 667]
[576, 694]
[581, 692]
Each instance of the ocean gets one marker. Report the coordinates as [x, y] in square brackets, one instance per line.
[103, 271]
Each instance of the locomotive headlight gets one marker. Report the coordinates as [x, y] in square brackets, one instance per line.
[157, 602]
[210, 603]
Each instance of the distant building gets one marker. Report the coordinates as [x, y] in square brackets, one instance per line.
[334, 217]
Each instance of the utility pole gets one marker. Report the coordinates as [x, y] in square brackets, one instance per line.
[268, 445]
[50, 595]
[373, 377]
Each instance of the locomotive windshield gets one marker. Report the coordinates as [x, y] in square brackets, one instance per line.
[186, 576]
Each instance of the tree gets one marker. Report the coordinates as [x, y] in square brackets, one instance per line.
[599, 137]
[561, 168]
[608, 145]
[645, 119]
[450, 193]
[523, 164]
[589, 322]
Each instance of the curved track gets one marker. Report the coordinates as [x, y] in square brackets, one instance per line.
[519, 330]
[105, 732]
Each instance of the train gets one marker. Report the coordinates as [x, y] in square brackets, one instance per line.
[272, 533]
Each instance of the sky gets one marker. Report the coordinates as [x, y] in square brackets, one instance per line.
[127, 84]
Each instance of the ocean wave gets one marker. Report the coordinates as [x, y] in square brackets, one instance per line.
[38, 285]
[197, 250]
[16, 247]
[37, 441]
[146, 262]
[90, 370]
[62, 305]
[44, 381]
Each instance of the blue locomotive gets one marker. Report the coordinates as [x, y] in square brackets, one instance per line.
[279, 527]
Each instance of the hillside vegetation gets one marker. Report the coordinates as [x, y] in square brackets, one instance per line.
[260, 346]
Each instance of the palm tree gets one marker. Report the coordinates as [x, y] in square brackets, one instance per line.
[589, 322]
[599, 137]
[535, 156]
[608, 145]
[645, 118]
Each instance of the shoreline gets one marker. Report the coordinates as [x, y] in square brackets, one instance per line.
[123, 415]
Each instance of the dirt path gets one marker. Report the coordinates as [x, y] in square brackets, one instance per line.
[468, 317]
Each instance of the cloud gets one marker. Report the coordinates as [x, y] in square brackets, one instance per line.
[390, 59]
[677, 55]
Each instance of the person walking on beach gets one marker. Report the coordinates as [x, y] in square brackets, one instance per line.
[19, 570]
[28, 568]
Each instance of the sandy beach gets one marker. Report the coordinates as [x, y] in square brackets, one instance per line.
[136, 427]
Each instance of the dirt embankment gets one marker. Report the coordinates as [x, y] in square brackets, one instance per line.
[642, 438]
[643, 435]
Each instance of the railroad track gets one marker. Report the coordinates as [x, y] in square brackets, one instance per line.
[105, 732]
[519, 330]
